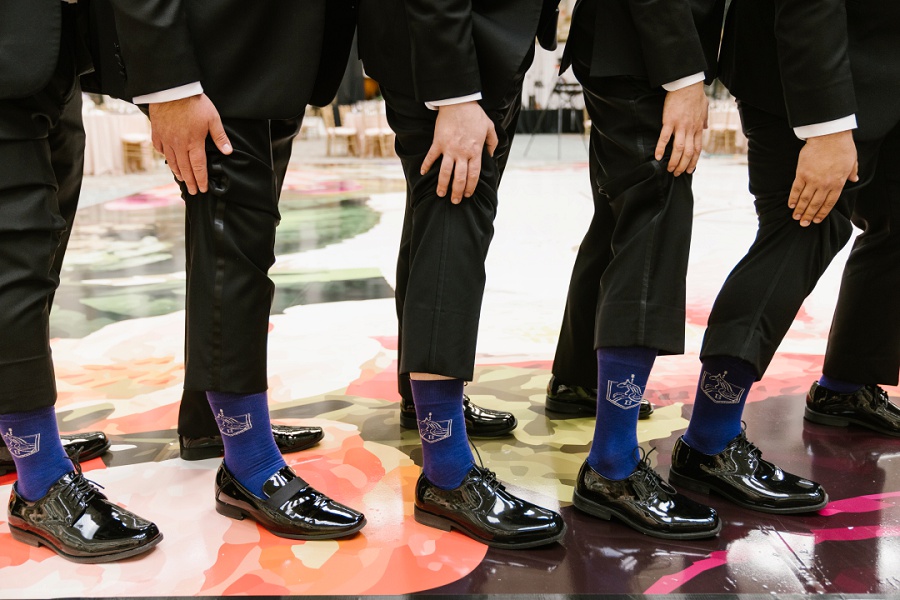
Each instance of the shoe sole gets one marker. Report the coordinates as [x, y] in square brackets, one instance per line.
[571, 410]
[823, 419]
[591, 508]
[679, 480]
[239, 514]
[206, 452]
[36, 540]
[431, 520]
[407, 422]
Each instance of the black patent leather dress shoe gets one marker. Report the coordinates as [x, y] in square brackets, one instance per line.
[740, 474]
[578, 401]
[80, 446]
[77, 522]
[291, 508]
[482, 509]
[867, 407]
[288, 438]
[644, 502]
[480, 422]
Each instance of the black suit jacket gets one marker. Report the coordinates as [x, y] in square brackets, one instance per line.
[438, 49]
[256, 59]
[29, 46]
[816, 60]
[802, 43]
[657, 40]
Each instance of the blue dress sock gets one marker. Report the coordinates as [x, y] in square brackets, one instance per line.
[446, 456]
[251, 454]
[622, 375]
[722, 391]
[839, 386]
[32, 438]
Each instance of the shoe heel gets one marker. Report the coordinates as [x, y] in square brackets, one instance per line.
[229, 511]
[590, 508]
[562, 408]
[199, 453]
[821, 419]
[688, 484]
[407, 422]
[26, 538]
[426, 518]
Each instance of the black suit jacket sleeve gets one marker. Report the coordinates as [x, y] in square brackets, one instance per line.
[156, 45]
[444, 61]
[813, 60]
[669, 39]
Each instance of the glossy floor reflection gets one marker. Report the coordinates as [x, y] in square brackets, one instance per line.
[117, 326]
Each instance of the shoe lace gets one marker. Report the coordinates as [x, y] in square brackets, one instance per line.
[648, 478]
[80, 490]
[487, 476]
[880, 395]
[746, 444]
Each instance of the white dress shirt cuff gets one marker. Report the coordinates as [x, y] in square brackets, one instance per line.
[816, 129]
[674, 86]
[438, 103]
[178, 93]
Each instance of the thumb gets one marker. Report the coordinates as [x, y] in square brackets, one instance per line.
[854, 173]
[219, 138]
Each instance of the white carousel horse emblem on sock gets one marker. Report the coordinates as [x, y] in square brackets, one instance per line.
[720, 391]
[434, 431]
[232, 426]
[21, 447]
[624, 394]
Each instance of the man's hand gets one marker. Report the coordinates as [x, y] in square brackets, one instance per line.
[179, 131]
[685, 114]
[826, 162]
[460, 133]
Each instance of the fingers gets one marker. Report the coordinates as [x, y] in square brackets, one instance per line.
[811, 207]
[804, 195]
[698, 147]
[472, 173]
[854, 172]
[197, 156]
[664, 136]
[460, 179]
[157, 143]
[444, 176]
[492, 142]
[186, 170]
[433, 153]
[169, 153]
[794, 197]
[678, 162]
[830, 200]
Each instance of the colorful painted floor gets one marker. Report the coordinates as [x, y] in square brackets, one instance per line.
[118, 324]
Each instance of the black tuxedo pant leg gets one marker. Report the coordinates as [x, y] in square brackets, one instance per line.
[628, 281]
[761, 296]
[864, 342]
[440, 269]
[41, 165]
[253, 202]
